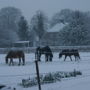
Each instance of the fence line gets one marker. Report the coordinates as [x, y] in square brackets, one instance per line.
[53, 48]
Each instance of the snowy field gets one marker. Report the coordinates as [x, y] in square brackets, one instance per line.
[13, 75]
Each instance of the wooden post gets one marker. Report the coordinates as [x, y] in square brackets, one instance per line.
[38, 77]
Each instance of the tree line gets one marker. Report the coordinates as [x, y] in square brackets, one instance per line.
[14, 26]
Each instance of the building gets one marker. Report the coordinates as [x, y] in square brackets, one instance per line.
[52, 36]
[22, 44]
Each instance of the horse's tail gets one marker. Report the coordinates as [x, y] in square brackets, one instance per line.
[79, 56]
[51, 54]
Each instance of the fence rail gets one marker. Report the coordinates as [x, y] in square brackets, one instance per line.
[53, 48]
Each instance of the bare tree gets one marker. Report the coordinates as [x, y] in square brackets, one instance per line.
[9, 17]
[39, 23]
[23, 29]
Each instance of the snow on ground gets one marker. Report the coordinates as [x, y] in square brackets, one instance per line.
[13, 75]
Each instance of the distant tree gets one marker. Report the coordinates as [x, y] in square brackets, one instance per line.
[39, 23]
[9, 17]
[7, 38]
[76, 32]
[23, 29]
[64, 16]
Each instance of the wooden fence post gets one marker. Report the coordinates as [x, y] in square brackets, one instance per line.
[38, 77]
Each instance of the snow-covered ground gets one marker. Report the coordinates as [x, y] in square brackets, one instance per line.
[13, 75]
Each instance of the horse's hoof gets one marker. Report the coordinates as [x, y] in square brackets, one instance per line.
[23, 64]
[18, 64]
[46, 61]
[39, 60]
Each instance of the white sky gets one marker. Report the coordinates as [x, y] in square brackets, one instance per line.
[29, 7]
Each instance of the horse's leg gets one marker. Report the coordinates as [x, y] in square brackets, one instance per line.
[50, 58]
[39, 58]
[6, 60]
[23, 60]
[46, 58]
[11, 61]
[70, 58]
[19, 61]
[78, 56]
[35, 56]
[75, 58]
[65, 57]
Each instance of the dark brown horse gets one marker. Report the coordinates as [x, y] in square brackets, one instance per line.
[15, 54]
[44, 50]
[70, 52]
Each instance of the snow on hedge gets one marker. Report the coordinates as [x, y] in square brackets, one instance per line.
[49, 78]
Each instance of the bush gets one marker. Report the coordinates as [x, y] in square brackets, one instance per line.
[49, 78]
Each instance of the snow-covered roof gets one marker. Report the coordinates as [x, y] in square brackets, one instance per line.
[56, 28]
[22, 42]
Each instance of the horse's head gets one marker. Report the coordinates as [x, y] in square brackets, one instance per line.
[8, 56]
[38, 53]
